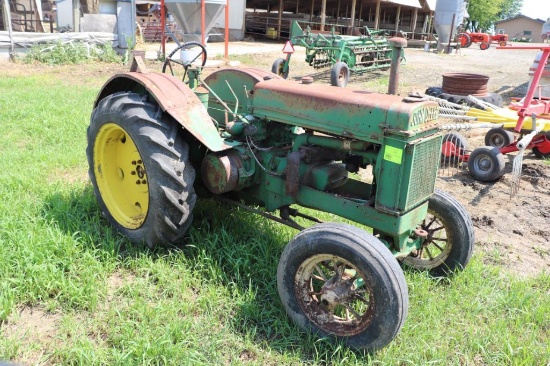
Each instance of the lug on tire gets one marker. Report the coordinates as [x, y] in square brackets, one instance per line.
[339, 74]
[486, 164]
[139, 168]
[340, 282]
[278, 68]
[499, 137]
[450, 242]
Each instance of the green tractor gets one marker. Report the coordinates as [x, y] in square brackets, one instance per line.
[248, 137]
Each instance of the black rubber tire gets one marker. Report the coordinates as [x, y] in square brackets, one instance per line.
[165, 157]
[486, 164]
[434, 91]
[372, 261]
[450, 242]
[458, 149]
[339, 74]
[502, 43]
[466, 41]
[544, 153]
[170, 58]
[484, 46]
[278, 67]
[499, 137]
[492, 98]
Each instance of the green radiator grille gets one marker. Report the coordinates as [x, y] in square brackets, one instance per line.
[423, 171]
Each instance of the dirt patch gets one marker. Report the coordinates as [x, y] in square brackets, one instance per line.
[35, 331]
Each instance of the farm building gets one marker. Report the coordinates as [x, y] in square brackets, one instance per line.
[271, 18]
[521, 28]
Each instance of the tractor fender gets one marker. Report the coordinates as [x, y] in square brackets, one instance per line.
[174, 98]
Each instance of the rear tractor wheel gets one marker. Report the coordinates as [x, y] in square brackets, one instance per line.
[139, 168]
[464, 40]
[340, 282]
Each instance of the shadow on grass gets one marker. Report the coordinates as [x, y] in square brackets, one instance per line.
[242, 249]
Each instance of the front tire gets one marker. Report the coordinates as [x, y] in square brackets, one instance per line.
[340, 282]
[450, 242]
[139, 168]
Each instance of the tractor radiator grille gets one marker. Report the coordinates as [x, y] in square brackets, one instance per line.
[423, 173]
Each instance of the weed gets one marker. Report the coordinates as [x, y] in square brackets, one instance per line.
[60, 53]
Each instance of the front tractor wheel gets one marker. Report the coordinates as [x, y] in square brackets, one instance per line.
[139, 168]
[340, 282]
[450, 241]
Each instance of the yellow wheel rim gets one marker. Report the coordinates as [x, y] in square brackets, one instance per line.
[120, 176]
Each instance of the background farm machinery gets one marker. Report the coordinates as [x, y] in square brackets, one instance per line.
[341, 53]
[524, 124]
[484, 39]
[265, 144]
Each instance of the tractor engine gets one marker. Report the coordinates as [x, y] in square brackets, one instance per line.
[313, 135]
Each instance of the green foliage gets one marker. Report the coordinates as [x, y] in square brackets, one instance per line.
[484, 13]
[60, 53]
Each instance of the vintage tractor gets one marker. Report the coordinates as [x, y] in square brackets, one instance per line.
[251, 138]
[466, 39]
[484, 39]
[342, 54]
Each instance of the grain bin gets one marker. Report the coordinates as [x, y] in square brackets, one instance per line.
[187, 14]
[445, 11]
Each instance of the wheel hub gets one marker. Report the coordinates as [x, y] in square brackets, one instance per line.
[484, 164]
[336, 291]
[121, 176]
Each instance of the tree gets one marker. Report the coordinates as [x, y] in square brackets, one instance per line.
[510, 9]
[485, 13]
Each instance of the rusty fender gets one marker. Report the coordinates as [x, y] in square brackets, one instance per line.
[174, 98]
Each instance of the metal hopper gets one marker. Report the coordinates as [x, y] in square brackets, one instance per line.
[187, 14]
[445, 11]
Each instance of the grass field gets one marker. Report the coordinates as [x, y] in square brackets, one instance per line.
[75, 292]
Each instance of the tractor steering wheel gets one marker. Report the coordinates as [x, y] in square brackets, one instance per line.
[186, 54]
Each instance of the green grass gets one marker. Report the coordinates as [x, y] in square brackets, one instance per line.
[96, 299]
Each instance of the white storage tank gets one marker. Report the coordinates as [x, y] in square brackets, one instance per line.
[443, 20]
[187, 14]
